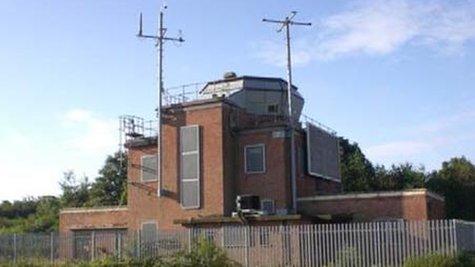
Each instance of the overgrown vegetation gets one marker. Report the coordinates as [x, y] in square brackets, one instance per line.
[440, 260]
[203, 254]
[455, 180]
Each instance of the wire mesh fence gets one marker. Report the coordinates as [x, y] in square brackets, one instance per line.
[352, 244]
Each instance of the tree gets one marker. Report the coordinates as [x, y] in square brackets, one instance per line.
[356, 170]
[456, 181]
[46, 218]
[75, 193]
[110, 187]
[399, 177]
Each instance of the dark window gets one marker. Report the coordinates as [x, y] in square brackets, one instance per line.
[255, 158]
[273, 108]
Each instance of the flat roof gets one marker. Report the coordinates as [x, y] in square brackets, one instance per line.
[379, 194]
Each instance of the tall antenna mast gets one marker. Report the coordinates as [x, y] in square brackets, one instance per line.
[160, 38]
[286, 24]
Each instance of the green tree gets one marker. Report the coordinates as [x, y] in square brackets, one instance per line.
[75, 192]
[110, 188]
[399, 177]
[46, 217]
[356, 170]
[456, 181]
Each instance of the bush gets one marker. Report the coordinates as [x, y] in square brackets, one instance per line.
[204, 253]
[441, 260]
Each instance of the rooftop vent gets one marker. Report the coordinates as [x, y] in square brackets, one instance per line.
[229, 75]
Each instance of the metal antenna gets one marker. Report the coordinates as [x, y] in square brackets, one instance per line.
[286, 24]
[160, 38]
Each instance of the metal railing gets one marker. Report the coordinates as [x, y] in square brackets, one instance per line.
[183, 93]
[352, 244]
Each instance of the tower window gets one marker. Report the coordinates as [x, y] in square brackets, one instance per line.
[254, 158]
[274, 108]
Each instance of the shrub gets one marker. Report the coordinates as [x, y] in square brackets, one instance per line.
[204, 253]
[441, 260]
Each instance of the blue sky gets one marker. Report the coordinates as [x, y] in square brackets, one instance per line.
[396, 76]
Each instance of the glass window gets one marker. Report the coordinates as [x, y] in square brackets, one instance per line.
[255, 158]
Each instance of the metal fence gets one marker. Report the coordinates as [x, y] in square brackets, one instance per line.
[353, 244]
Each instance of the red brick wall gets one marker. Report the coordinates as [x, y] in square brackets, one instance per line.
[93, 219]
[274, 183]
[230, 154]
[146, 207]
[410, 207]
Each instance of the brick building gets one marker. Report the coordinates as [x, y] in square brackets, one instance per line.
[233, 140]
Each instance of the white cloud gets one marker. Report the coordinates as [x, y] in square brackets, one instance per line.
[92, 134]
[431, 139]
[77, 115]
[33, 163]
[382, 27]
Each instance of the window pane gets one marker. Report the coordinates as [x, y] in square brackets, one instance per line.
[255, 159]
[149, 168]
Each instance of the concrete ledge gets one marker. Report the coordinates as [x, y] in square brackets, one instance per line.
[93, 209]
[380, 194]
[226, 219]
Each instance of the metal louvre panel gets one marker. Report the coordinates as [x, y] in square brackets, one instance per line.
[190, 196]
[323, 153]
[149, 168]
[189, 139]
[190, 166]
[149, 232]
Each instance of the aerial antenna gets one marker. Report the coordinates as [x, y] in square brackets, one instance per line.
[285, 24]
[159, 39]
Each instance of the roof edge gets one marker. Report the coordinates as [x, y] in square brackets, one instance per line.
[93, 209]
[377, 194]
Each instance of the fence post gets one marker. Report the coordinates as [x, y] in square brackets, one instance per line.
[118, 244]
[189, 238]
[14, 248]
[51, 244]
[93, 245]
[138, 244]
[247, 239]
[454, 236]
